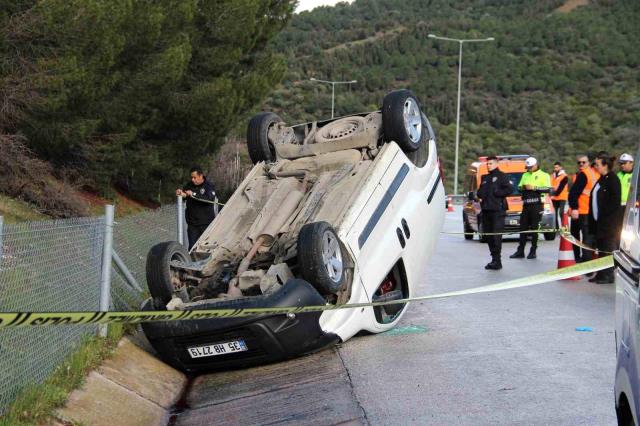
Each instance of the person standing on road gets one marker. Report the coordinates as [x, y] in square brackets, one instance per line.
[579, 196]
[200, 196]
[533, 184]
[624, 174]
[604, 206]
[559, 184]
[494, 188]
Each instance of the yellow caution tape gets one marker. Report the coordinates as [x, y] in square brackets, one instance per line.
[23, 319]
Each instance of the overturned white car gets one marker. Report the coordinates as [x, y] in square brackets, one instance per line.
[337, 211]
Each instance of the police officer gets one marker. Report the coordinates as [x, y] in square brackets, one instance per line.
[533, 184]
[494, 188]
[200, 197]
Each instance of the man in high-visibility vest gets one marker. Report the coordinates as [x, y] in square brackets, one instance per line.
[579, 197]
[626, 169]
[559, 184]
[533, 184]
[624, 174]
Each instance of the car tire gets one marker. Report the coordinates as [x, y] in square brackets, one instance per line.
[402, 120]
[481, 237]
[321, 257]
[159, 275]
[549, 236]
[260, 148]
[468, 232]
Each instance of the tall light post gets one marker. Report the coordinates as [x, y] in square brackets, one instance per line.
[333, 89]
[460, 42]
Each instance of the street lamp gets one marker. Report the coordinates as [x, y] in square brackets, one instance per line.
[333, 89]
[459, 41]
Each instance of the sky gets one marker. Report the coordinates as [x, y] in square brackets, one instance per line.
[310, 4]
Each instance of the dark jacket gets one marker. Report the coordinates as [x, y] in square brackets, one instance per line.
[199, 212]
[608, 200]
[494, 188]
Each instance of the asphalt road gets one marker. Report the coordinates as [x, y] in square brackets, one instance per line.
[511, 357]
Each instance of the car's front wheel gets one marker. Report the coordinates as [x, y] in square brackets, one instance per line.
[161, 279]
[321, 257]
[468, 231]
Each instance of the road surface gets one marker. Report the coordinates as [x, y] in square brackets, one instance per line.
[511, 357]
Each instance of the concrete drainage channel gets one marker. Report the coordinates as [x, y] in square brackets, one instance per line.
[135, 388]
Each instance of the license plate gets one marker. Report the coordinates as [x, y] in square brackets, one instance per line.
[513, 221]
[217, 349]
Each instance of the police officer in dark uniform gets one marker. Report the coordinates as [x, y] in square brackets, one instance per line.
[200, 197]
[494, 188]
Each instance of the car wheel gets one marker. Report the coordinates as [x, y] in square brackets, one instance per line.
[468, 232]
[260, 148]
[162, 281]
[321, 258]
[549, 236]
[402, 120]
[481, 237]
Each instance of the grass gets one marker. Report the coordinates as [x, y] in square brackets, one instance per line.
[14, 210]
[36, 403]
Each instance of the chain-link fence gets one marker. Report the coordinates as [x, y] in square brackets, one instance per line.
[56, 265]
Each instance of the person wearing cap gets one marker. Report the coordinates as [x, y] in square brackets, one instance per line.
[559, 183]
[579, 197]
[495, 186]
[533, 184]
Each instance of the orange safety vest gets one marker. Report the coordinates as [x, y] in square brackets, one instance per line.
[555, 182]
[585, 196]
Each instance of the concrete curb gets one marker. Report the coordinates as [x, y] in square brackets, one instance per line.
[132, 387]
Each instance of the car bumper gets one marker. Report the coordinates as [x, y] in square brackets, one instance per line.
[512, 222]
[268, 338]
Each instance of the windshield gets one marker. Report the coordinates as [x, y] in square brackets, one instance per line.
[514, 178]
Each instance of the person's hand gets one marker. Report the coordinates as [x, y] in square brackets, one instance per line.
[189, 193]
[179, 193]
[575, 214]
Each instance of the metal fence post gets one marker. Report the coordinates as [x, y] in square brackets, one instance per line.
[180, 219]
[105, 282]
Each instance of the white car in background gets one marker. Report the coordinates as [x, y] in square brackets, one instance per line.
[339, 211]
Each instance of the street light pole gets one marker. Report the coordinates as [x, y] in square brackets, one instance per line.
[333, 89]
[460, 42]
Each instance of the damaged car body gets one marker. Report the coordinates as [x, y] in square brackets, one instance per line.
[333, 212]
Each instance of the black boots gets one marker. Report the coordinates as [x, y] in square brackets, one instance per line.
[519, 254]
[532, 253]
[494, 265]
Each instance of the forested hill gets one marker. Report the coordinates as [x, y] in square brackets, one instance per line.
[557, 80]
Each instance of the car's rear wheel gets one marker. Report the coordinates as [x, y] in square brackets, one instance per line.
[321, 257]
[163, 282]
[260, 148]
[468, 232]
[402, 120]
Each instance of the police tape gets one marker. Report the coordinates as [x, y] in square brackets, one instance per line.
[24, 319]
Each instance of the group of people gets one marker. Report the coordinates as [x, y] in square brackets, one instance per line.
[596, 197]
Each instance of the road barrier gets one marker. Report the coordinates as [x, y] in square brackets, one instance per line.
[26, 319]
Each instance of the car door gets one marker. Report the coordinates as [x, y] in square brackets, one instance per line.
[627, 277]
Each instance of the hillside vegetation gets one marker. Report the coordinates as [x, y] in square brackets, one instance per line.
[556, 82]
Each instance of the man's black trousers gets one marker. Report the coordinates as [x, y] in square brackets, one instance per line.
[558, 205]
[194, 232]
[530, 220]
[580, 231]
[493, 221]
[606, 245]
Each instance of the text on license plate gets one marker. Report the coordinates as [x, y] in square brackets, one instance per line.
[217, 349]
[513, 221]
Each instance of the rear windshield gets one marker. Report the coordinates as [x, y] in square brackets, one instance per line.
[514, 178]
